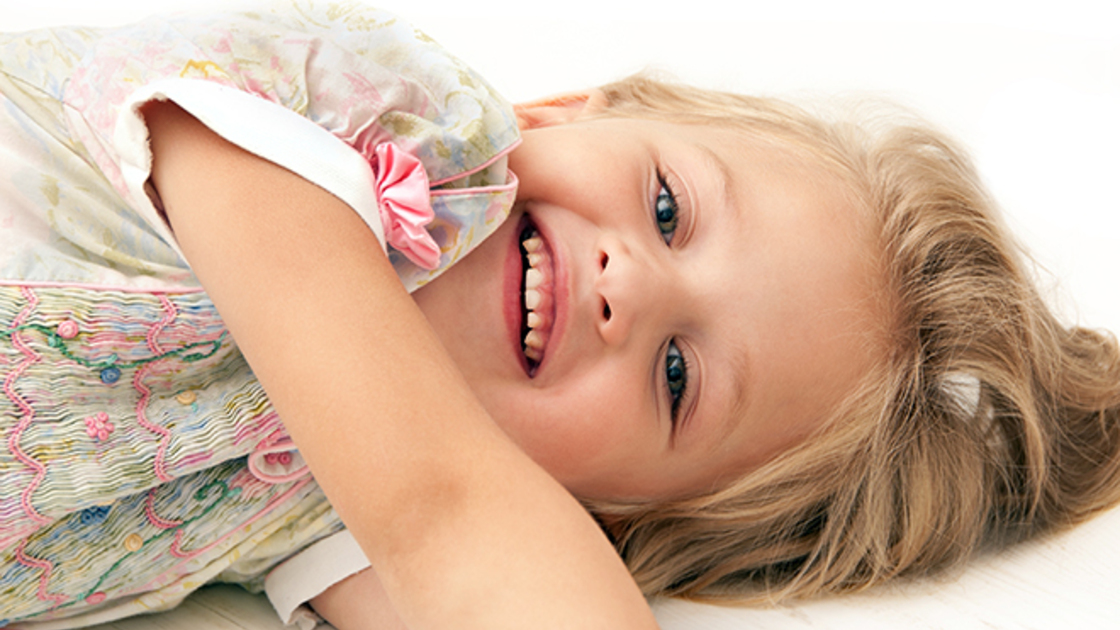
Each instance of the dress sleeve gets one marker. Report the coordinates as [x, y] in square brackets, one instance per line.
[311, 572]
[321, 90]
[259, 126]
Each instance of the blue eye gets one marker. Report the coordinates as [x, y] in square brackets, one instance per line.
[666, 211]
[676, 376]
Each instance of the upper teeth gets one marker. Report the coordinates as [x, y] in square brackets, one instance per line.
[538, 322]
[532, 299]
[533, 278]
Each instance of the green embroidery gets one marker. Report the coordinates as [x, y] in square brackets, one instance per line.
[200, 495]
[55, 341]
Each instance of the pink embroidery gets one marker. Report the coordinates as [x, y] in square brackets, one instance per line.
[98, 426]
[249, 485]
[9, 538]
[188, 461]
[275, 453]
[509, 186]
[155, 519]
[142, 420]
[402, 193]
[283, 459]
[68, 329]
[28, 412]
[170, 311]
[44, 579]
[96, 598]
[485, 165]
[275, 450]
[495, 209]
[177, 551]
[259, 425]
[103, 287]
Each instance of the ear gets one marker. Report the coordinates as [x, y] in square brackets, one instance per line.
[559, 109]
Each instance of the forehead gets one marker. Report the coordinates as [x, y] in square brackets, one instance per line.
[792, 319]
[742, 153]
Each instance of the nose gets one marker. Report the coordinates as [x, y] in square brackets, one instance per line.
[628, 288]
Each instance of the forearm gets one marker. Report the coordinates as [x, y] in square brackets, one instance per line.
[316, 308]
[358, 603]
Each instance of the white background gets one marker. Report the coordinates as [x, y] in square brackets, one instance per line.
[1033, 90]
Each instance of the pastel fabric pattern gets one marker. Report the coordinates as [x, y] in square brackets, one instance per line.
[140, 458]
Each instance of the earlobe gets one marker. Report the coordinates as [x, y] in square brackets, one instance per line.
[559, 109]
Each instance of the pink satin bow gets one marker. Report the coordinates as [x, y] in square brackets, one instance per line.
[406, 208]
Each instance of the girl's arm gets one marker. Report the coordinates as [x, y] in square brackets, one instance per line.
[358, 603]
[462, 528]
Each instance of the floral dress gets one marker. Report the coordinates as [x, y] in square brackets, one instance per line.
[140, 458]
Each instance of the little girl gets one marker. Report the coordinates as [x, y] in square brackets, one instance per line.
[688, 285]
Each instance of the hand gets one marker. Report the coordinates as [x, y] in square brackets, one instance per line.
[358, 603]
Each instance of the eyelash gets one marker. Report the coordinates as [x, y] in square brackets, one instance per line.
[677, 386]
[667, 216]
[666, 210]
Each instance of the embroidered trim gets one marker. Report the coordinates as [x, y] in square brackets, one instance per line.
[485, 165]
[10, 538]
[153, 518]
[176, 546]
[187, 556]
[59, 343]
[276, 450]
[44, 566]
[262, 423]
[510, 185]
[45, 284]
[68, 340]
[142, 419]
[224, 492]
[28, 412]
[170, 312]
[98, 427]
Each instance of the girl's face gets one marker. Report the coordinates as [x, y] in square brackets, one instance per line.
[702, 298]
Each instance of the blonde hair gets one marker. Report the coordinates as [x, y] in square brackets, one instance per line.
[987, 423]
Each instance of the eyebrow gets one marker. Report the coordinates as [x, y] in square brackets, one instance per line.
[738, 362]
[728, 416]
[725, 179]
[740, 369]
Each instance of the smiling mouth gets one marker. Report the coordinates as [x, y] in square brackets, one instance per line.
[538, 307]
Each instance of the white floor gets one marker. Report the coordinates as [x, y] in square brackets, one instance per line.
[221, 607]
[1067, 581]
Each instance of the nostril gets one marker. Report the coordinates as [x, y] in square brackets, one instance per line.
[603, 260]
[606, 311]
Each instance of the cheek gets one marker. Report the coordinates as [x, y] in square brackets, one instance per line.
[578, 433]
